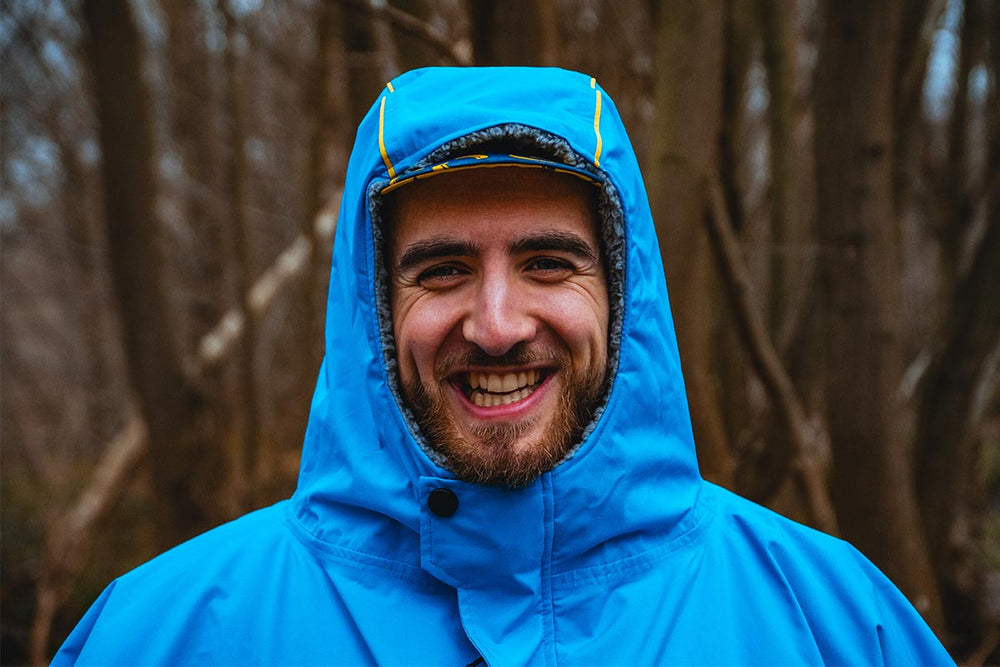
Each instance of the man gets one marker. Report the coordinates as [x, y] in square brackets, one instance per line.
[499, 465]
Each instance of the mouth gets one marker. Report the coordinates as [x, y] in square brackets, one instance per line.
[492, 389]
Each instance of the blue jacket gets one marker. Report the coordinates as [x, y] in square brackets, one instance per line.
[622, 554]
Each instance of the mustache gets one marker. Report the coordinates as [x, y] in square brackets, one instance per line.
[519, 355]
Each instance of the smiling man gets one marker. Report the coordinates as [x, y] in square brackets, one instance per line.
[499, 466]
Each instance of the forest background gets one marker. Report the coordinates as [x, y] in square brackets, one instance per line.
[825, 178]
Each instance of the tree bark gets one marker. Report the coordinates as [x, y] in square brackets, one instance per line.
[328, 135]
[516, 32]
[788, 278]
[872, 482]
[185, 485]
[948, 455]
[688, 124]
[949, 449]
[911, 73]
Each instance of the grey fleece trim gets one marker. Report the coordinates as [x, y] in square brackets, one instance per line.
[520, 140]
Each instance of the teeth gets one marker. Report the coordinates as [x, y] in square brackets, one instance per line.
[496, 383]
[492, 389]
[487, 400]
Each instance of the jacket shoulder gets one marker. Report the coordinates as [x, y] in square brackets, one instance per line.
[141, 615]
[830, 581]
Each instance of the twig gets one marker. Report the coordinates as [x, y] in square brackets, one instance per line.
[409, 23]
[807, 440]
[69, 538]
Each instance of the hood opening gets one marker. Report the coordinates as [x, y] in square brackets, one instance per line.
[524, 143]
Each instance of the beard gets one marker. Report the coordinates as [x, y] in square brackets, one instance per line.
[511, 454]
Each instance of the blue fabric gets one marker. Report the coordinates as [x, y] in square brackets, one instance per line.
[620, 555]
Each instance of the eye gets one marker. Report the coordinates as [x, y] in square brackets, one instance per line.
[440, 276]
[549, 265]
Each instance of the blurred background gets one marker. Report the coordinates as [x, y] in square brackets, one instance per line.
[824, 176]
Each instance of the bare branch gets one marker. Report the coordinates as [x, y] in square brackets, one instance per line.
[807, 439]
[293, 261]
[457, 53]
[70, 537]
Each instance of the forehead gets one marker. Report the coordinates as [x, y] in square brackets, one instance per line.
[494, 199]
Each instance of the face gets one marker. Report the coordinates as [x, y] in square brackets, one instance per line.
[500, 315]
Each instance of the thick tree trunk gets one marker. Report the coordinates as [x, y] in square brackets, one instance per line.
[185, 485]
[689, 89]
[949, 450]
[948, 454]
[872, 483]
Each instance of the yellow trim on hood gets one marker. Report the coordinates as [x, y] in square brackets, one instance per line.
[381, 137]
[597, 123]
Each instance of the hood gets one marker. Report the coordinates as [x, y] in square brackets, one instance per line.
[365, 473]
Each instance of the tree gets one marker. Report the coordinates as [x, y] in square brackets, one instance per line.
[688, 125]
[872, 482]
[185, 492]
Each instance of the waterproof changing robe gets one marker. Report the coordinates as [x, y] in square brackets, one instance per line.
[622, 554]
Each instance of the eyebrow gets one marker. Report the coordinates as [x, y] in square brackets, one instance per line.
[560, 241]
[433, 248]
[436, 247]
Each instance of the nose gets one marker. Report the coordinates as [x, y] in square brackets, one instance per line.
[499, 318]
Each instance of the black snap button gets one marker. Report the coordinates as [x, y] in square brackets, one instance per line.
[442, 502]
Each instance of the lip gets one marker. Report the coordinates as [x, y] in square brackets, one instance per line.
[511, 411]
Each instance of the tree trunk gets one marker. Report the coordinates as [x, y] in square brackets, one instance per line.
[872, 482]
[949, 451]
[789, 277]
[413, 50]
[516, 32]
[329, 136]
[184, 476]
[194, 136]
[911, 73]
[948, 454]
[370, 56]
[249, 463]
[687, 128]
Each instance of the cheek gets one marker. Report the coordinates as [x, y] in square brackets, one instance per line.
[420, 330]
[582, 324]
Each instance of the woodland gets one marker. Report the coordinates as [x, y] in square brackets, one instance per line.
[825, 179]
